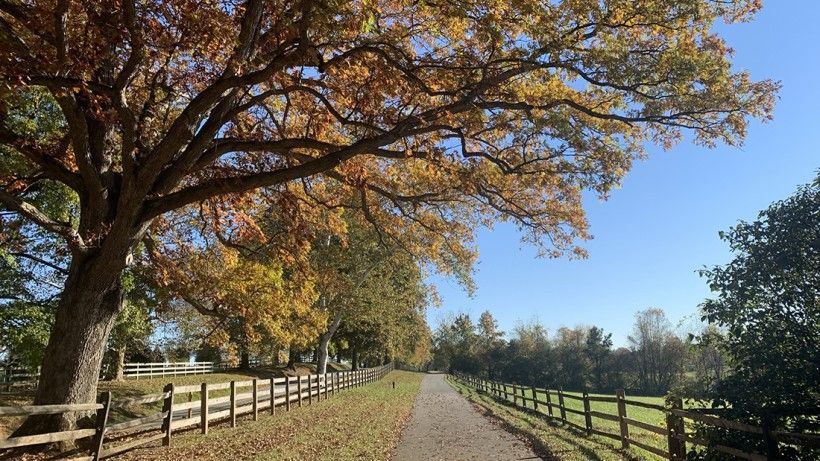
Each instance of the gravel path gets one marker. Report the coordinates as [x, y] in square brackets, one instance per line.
[445, 426]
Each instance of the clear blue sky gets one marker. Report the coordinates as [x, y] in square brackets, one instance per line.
[655, 232]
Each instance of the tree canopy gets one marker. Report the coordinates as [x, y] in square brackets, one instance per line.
[427, 119]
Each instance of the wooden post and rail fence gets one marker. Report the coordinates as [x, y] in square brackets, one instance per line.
[675, 416]
[244, 397]
[15, 375]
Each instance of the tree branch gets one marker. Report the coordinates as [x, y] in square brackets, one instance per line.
[31, 212]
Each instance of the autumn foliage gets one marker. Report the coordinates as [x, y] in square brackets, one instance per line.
[426, 119]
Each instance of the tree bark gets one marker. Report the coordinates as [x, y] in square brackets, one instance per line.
[119, 366]
[91, 299]
[88, 307]
[244, 360]
[324, 340]
[354, 358]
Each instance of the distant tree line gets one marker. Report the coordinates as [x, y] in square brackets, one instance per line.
[656, 359]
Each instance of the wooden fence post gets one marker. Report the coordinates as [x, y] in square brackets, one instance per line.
[233, 404]
[287, 393]
[506, 394]
[100, 423]
[549, 400]
[561, 404]
[203, 408]
[619, 394]
[534, 399]
[310, 391]
[255, 400]
[587, 414]
[674, 426]
[190, 399]
[169, 418]
[272, 396]
[326, 386]
[299, 390]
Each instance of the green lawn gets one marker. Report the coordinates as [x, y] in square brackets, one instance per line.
[360, 423]
[568, 443]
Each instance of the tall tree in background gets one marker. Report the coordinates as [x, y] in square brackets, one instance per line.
[768, 301]
[362, 279]
[571, 356]
[658, 353]
[599, 348]
[386, 309]
[499, 112]
[490, 339]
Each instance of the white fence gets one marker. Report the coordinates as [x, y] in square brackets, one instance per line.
[13, 375]
[153, 369]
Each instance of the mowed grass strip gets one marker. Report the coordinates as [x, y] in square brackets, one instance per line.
[564, 442]
[364, 423]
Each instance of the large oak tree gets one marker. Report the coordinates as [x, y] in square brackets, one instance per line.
[443, 115]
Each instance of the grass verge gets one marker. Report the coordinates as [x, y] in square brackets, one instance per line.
[550, 436]
[363, 423]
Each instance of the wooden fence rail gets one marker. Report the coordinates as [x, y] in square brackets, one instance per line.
[245, 397]
[139, 370]
[675, 416]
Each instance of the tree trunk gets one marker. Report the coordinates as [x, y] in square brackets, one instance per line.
[324, 340]
[88, 307]
[292, 353]
[119, 366]
[91, 299]
[244, 360]
[354, 358]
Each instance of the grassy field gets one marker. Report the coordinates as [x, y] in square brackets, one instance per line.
[567, 443]
[362, 423]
